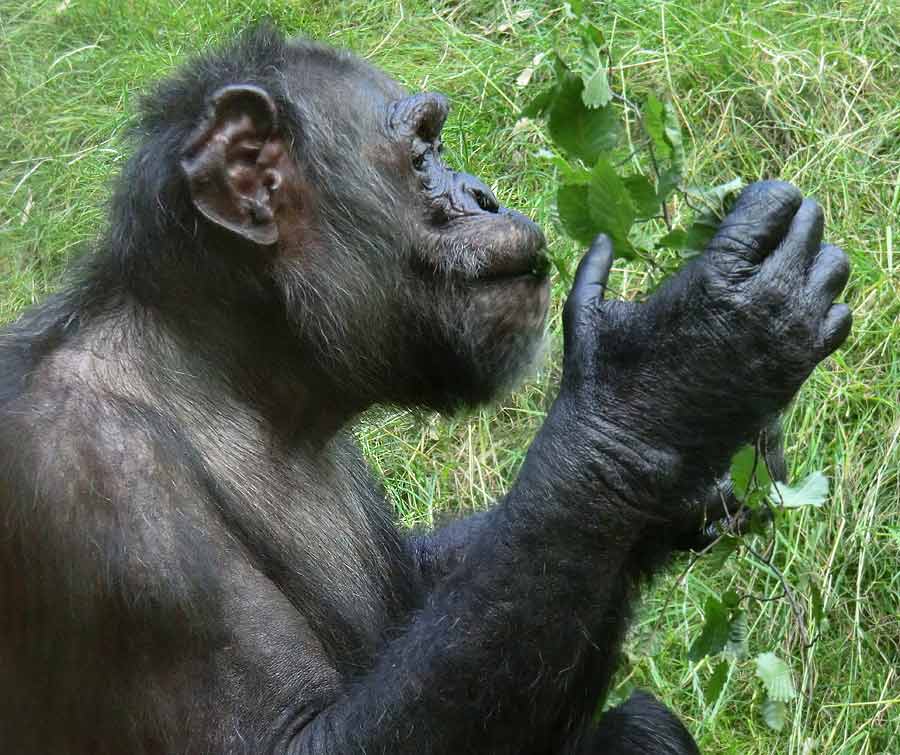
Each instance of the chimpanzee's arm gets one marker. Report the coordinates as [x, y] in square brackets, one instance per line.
[654, 398]
[522, 629]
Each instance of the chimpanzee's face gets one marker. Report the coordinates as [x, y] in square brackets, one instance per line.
[488, 262]
[407, 277]
[470, 275]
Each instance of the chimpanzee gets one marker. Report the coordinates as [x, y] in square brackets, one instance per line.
[194, 557]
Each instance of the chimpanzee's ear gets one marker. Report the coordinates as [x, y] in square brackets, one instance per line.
[232, 159]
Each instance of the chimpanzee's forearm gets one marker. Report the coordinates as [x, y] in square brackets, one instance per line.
[524, 627]
[560, 468]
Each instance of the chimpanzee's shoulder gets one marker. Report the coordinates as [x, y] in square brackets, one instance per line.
[69, 446]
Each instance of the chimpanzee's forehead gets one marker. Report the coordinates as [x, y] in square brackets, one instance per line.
[318, 70]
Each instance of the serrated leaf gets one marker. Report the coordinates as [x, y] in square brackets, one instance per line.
[738, 635]
[597, 92]
[581, 131]
[749, 472]
[574, 214]
[591, 31]
[611, 208]
[716, 200]
[761, 519]
[812, 490]
[571, 173]
[721, 552]
[672, 134]
[674, 239]
[776, 677]
[730, 599]
[712, 690]
[698, 237]
[643, 196]
[653, 119]
[694, 240]
[774, 713]
[714, 634]
[667, 182]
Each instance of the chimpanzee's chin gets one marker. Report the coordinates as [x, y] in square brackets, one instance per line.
[503, 336]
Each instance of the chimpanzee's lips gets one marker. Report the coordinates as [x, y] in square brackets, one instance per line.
[535, 265]
[524, 254]
[491, 247]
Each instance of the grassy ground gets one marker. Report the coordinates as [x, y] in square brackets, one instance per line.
[808, 91]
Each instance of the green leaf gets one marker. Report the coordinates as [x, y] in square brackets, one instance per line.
[574, 214]
[590, 30]
[643, 196]
[721, 552]
[811, 491]
[776, 677]
[761, 518]
[816, 604]
[714, 634]
[716, 200]
[672, 134]
[738, 636]
[559, 66]
[674, 239]
[581, 131]
[774, 713]
[653, 120]
[714, 685]
[749, 472]
[698, 237]
[730, 599]
[611, 208]
[694, 240]
[667, 182]
[539, 104]
[597, 92]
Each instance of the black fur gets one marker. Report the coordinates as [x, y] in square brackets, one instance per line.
[193, 555]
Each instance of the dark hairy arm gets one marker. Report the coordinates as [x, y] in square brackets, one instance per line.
[655, 398]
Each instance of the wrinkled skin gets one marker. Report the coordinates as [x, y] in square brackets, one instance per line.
[195, 557]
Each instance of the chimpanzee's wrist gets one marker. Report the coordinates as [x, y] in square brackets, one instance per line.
[585, 458]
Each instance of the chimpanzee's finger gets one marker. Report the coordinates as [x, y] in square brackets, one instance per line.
[760, 218]
[794, 255]
[836, 327]
[591, 275]
[830, 272]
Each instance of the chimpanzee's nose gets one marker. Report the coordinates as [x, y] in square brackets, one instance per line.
[473, 189]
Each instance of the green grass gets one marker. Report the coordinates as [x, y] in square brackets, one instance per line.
[809, 91]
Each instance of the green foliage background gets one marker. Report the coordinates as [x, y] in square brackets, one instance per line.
[808, 91]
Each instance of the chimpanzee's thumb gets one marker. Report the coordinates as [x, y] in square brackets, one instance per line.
[584, 298]
[592, 274]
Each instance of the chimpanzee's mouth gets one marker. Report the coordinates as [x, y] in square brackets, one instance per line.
[536, 267]
[491, 248]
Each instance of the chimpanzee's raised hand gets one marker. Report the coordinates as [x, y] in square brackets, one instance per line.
[722, 346]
